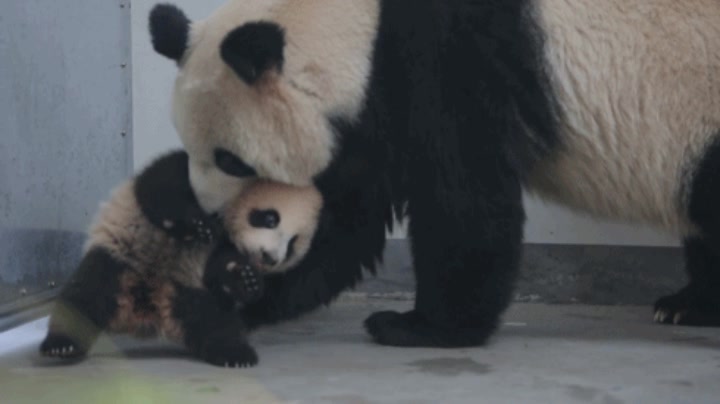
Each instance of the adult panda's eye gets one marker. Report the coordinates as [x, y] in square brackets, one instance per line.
[232, 165]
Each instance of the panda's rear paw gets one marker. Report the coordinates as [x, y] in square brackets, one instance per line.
[61, 346]
[686, 308]
[410, 329]
[230, 354]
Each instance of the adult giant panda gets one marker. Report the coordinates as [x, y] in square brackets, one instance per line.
[444, 110]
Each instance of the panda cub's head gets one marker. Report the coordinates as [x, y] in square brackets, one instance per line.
[273, 223]
[258, 85]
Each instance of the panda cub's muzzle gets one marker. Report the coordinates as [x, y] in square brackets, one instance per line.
[270, 256]
[273, 223]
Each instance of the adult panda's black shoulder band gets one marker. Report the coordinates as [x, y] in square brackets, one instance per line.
[254, 48]
[170, 31]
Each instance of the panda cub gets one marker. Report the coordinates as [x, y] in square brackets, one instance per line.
[155, 265]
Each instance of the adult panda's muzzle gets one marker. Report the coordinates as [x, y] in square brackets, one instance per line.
[212, 187]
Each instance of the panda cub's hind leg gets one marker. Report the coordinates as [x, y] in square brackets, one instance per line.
[698, 304]
[213, 333]
[85, 306]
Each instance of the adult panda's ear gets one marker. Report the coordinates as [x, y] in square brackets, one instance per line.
[170, 31]
[253, 49]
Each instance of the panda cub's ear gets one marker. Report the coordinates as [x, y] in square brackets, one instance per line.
[253, 49]
[170, 31]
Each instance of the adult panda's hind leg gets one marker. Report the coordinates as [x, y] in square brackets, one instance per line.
[698, 303]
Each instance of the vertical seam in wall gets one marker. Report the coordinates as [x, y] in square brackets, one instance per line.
[129, 130]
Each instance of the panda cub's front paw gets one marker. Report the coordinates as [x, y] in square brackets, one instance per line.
[229, 274]
[243, 282]
[193, 227]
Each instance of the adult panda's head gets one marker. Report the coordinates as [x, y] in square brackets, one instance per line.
[258, 82]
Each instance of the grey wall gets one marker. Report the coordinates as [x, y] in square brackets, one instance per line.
[65, 130]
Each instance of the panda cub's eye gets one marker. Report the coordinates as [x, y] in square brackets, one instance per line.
[232, 165]
[264, 219]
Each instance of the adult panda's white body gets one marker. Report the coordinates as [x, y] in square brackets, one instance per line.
[639, 86]
[611, 107]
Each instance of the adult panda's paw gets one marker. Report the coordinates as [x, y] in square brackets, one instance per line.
[687, 308]
[61, 346]
[411, 329]
[229, 353]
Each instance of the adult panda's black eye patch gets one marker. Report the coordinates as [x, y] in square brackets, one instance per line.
[232, 165]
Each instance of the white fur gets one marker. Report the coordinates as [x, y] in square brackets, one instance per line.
[121, 228]
[270, 124]
[299, 208]
[639, 82]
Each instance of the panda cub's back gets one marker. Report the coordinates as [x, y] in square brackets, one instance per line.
[123, 230]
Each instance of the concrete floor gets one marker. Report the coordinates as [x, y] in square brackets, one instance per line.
[543, 354]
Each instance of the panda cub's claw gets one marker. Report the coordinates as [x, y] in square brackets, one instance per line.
[230, 355]
[61, 346]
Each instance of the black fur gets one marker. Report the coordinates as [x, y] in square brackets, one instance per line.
[166, 198]
[253, 49]
[350, 236]
[232, 165]
[456, 96]
[170, 31]
[229, 269]
[698, 303]
[85, 306]
[212, 333]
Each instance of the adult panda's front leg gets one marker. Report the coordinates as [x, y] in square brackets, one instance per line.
[462, 149]
[466, 242]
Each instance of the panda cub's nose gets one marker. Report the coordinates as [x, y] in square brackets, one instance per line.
[268, 259]
[264, 219]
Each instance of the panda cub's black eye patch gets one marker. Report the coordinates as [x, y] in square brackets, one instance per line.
[264, 219]
[232, 165]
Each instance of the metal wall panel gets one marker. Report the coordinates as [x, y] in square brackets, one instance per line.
[65, 141]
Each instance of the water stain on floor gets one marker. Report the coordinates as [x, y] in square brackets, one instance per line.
[450, 366]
